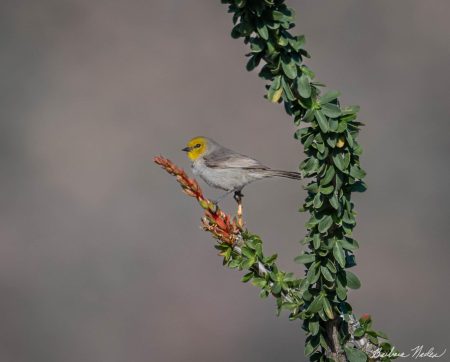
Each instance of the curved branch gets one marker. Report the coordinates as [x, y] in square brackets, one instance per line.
[244, 251]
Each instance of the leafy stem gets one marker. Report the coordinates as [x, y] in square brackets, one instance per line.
[328, 133]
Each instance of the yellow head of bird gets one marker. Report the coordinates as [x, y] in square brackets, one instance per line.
[196, 147]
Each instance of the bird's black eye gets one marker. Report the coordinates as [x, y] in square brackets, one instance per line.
[198, 145]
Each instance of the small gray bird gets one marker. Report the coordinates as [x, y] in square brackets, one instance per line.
[225, 169]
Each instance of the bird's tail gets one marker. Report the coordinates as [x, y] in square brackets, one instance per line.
[287, 174]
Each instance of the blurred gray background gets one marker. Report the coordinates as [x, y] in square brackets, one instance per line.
[101, 256]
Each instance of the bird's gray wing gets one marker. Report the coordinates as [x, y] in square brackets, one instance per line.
[225, 158]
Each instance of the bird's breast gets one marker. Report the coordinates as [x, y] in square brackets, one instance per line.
[223, 178]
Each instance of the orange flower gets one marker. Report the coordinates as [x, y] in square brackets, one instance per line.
[222, 226]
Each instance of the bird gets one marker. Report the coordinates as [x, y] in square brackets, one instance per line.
[226, 169]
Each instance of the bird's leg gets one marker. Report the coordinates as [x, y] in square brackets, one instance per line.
[238, 197]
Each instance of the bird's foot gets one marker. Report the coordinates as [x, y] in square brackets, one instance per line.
[238, 195]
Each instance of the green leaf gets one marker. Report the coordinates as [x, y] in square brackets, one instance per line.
[331, 110]
[316, 241]
[257, 45]
[247, 277]
[270, 259]
[251, 243]
[373, 339]
[310, 165]
[289, 306]
[313, 187]
[316, 304]
[327, 308]
[301, 133]
[350, 140]
[359, 332]
[322, 121]
[346, 160]
[233, 264]
[309, 116]
[350, 110]
[275, 91]
[297, 42]
[355, 355]
[259, 282]
[339, 180]
[313, 273]
[339, 254]
[328, 175]
[247, 252]
[326, 273]
[235, 32]
[331, 140]
[287, 90]
[306, 240]
[328, 97]
[309, 349]
[275, 96]
[253, 62]
[305, 258]
[317, 201]
[352, 280]
[331, 266]
[350, 261]
[325, 223]
[264, 293]
[303, 86]
[276, 84]
[359, 186]
[289, 67]
[306, 103]
[341, 160]
[305, 70]
[357, 172]
[326, 190]
[247, 263]
[323, 343]
[341, 292]
[278, 16]
[303, 287]
[348, 119]
[349, 244]
[262, 29]
[276, 288]
[320, 147]
[283, 41]
[313, 327]
[348, 218]
[342, 126]
[333, 124]
[334, 202]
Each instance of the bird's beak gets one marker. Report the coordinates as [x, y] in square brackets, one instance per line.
[187, 149]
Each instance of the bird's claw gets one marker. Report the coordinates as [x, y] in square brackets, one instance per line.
[238, 195]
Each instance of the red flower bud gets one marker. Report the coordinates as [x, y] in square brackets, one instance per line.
[221, 225]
